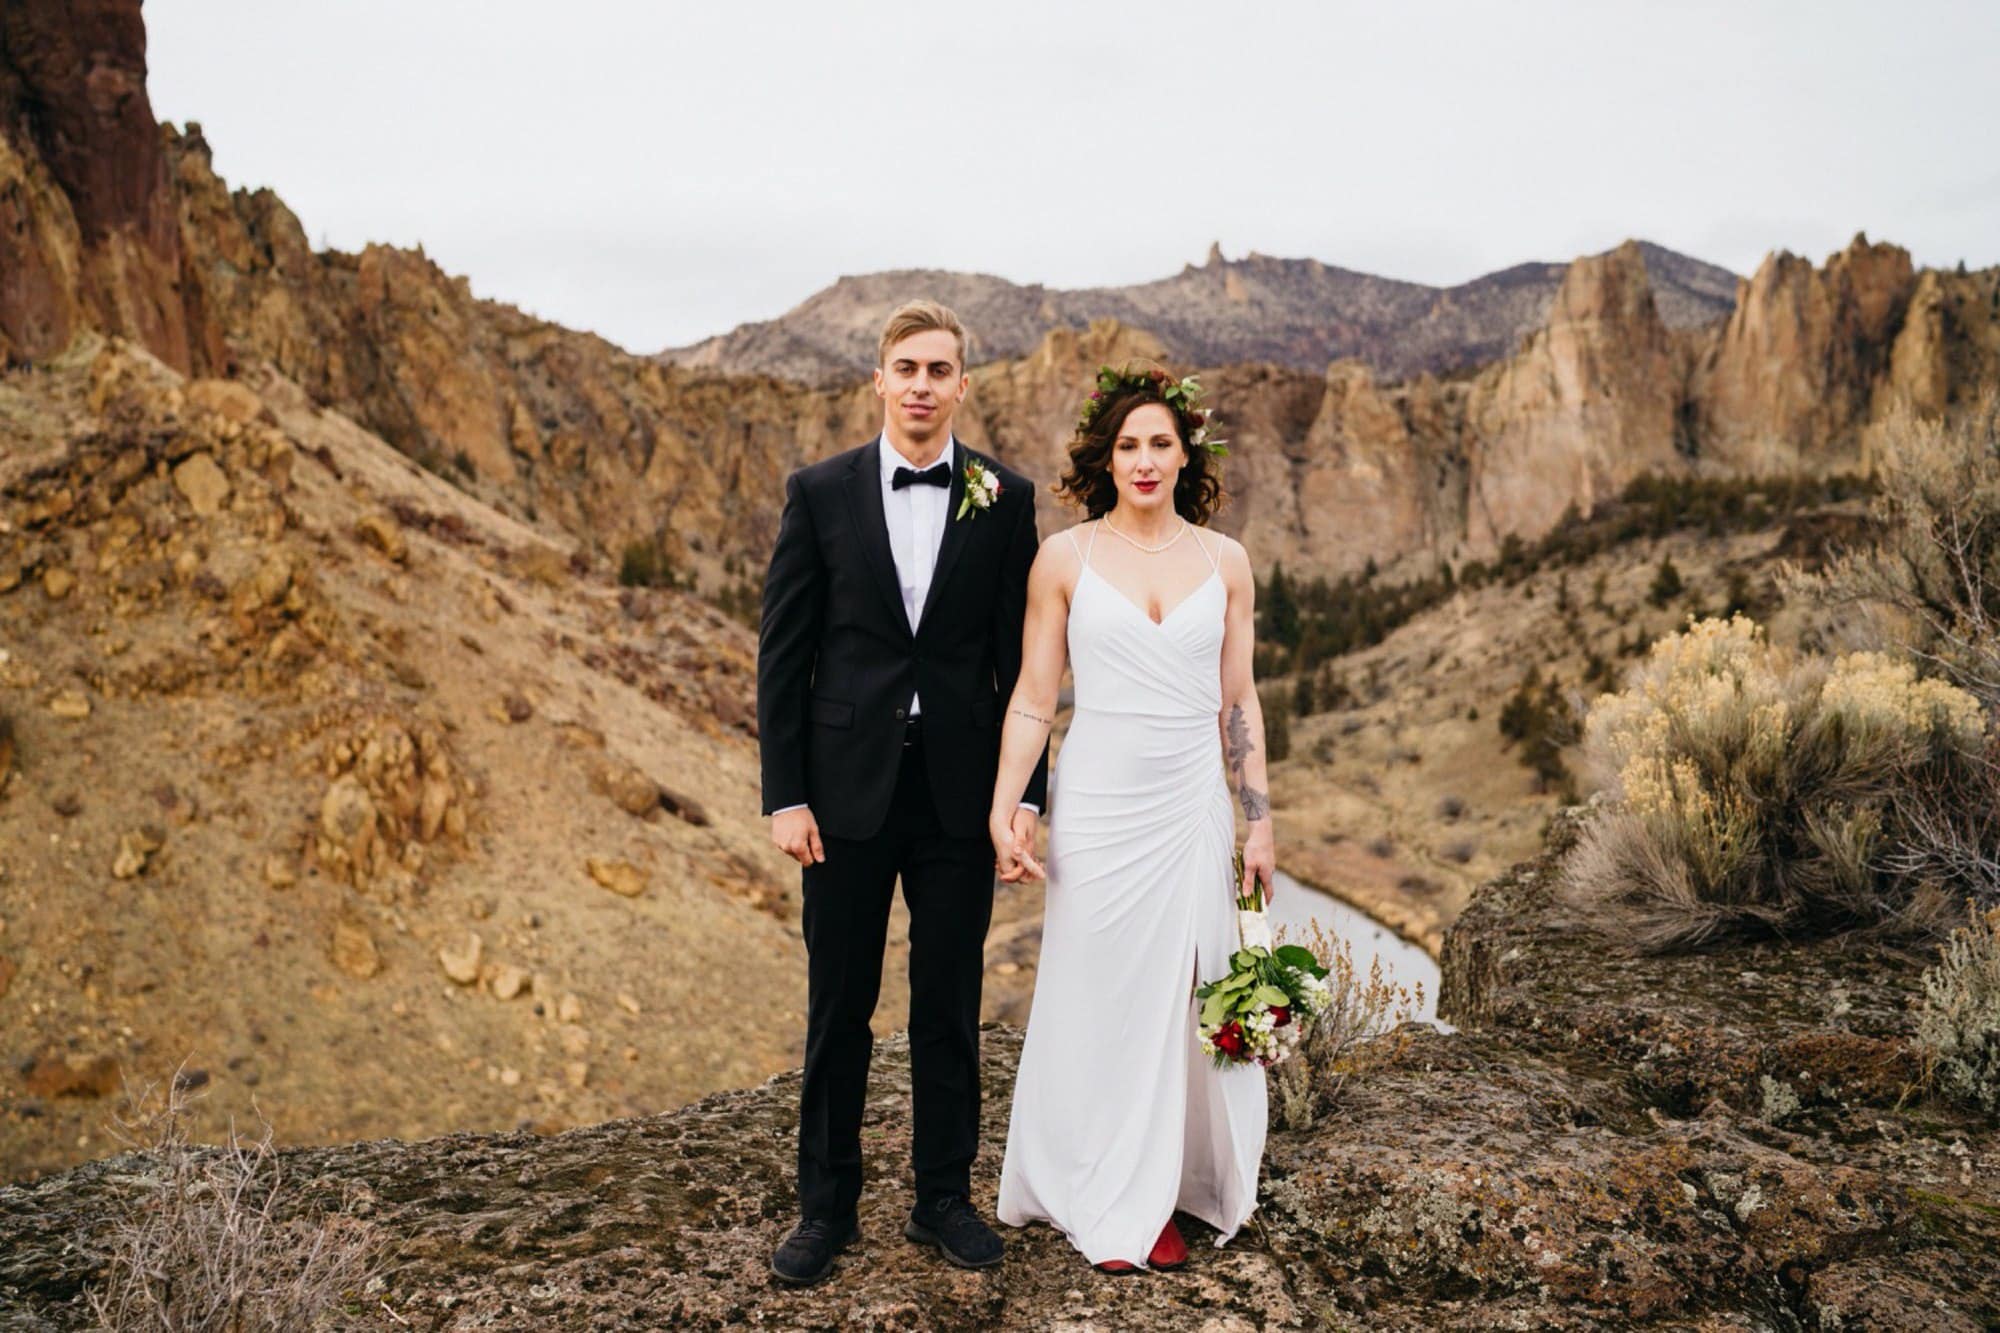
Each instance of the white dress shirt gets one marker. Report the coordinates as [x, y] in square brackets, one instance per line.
[916, 517]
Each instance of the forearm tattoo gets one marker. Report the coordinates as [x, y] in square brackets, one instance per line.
[1034, 717]
[1238, 748]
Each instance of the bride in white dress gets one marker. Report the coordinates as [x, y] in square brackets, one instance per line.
[1118, 1118]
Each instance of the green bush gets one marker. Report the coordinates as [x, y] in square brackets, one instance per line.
[1537, 716]
[1755, 791]
[1667, 583]
[646, 564]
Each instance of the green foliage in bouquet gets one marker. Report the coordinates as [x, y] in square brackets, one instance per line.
[1257, 976]
[1262, 1008]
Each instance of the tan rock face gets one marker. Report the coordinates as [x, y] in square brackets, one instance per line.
[1949, 348]
[1361, 478]
[87, 216]
[1790, 379]
[1588, 404]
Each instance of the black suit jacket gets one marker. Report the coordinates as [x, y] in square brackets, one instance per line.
[837, 661]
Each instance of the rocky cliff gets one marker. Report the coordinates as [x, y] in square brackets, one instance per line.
[1715, 1142]
[87, 227]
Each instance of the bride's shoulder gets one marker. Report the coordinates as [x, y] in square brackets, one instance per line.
[1063, 543]
[1229, 553]
[1060, 555]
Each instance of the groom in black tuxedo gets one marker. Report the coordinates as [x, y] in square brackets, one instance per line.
[890, 640]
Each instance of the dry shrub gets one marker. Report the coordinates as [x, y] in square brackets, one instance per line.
[1927, 585]
[1356, 1030]
[1958, 1024]
[1757, 791]
[220, 1237]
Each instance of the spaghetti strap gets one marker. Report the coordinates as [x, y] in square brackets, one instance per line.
[1214, 567]
[1088, 547]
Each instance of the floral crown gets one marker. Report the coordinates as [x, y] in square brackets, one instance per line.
[1180, 395]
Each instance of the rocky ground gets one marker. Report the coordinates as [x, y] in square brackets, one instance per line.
[1711, 1142]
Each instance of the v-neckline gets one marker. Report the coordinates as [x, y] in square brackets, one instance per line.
[1140, 611]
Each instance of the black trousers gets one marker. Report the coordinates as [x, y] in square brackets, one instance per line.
[948, 886]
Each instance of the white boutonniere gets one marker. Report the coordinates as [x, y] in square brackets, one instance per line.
[982, 488]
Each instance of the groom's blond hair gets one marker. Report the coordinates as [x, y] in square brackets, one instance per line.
[919, 317]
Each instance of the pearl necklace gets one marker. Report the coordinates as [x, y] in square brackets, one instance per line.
[1149, 550]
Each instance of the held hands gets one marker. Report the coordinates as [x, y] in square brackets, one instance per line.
[796, 834]
[1260, 860]
[1014, 845]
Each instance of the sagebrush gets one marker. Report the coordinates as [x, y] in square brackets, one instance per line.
[1958, 1023]
[1760, 791]
[1923, 581]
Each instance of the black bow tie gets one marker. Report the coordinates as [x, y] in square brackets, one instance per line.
[938, 475]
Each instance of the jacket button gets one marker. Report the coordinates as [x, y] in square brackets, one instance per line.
[901, 714]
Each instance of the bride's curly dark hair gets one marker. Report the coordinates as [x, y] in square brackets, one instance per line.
[1087, 481]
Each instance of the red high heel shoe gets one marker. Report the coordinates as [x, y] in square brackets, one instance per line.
[1169, 1251]
[1116, 1267]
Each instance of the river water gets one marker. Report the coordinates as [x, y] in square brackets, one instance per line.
[1294, 906]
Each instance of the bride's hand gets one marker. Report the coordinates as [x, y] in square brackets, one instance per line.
[1013, 838]
[1260, 860]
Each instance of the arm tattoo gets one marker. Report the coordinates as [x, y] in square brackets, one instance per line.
[1033, 717]
[1256, 804]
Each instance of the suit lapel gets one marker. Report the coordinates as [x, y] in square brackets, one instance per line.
[957, 531]
[864, 498]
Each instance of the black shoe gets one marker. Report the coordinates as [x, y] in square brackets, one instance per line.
[950, 1224]
[806, 1256]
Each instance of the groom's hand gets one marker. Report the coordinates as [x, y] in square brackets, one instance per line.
[796, 834]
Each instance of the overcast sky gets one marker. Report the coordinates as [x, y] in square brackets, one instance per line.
[658, 171]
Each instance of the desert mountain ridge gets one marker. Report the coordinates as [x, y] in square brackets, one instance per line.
[1296, 313]
[116, 224]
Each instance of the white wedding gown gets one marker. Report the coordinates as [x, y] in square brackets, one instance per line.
[1118, 1118]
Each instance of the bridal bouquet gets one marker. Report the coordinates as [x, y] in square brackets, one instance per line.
[1261, 1010]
